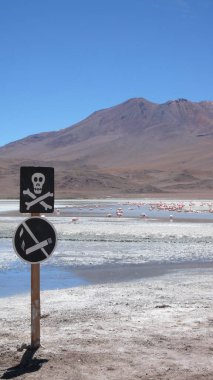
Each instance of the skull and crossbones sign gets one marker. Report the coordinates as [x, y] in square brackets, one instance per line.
[38, 180]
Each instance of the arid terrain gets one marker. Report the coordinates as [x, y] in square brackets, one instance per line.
[134, 148]
[123, 297]
[154, 329]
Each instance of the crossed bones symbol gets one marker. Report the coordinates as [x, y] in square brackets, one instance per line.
[37, 200]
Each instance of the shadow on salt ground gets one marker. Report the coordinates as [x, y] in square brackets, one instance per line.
[27, 364]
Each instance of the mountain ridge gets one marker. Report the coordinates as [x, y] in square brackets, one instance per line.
[171, 141]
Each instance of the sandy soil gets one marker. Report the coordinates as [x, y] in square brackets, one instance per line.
[156, 328]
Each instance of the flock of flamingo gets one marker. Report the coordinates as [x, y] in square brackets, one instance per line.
[180, 206]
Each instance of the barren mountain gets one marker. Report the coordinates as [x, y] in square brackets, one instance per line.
[133, 148]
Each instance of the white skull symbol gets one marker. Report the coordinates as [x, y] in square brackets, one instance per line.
[38, 180]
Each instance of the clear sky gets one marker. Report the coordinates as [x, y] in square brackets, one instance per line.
[61, 60]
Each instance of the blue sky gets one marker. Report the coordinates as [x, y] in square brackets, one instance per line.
[61, 60]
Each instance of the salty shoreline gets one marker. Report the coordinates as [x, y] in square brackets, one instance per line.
[115, 273]
[159, 328]
[15, 282]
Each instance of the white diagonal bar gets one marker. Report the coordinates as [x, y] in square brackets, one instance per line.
[33, 237]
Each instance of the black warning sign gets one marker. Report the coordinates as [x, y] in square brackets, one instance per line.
[36, 189]
[35, 240]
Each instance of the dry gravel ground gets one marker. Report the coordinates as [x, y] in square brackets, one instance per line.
[156, 328]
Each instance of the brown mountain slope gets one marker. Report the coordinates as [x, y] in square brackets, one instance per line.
[135, 147]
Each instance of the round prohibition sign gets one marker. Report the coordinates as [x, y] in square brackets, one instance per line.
[35, 240]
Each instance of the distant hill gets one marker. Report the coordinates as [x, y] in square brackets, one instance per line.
[136, 147]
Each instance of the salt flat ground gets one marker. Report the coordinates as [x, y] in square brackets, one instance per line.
[159, 328]
[147, 328]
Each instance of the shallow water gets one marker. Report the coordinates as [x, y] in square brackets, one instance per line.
[16, 279]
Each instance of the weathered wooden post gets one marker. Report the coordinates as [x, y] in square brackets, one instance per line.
[35, 305]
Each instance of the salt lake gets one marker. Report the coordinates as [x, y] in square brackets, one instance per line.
[109, 240]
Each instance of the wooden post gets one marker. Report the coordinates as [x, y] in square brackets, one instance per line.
[35, 303]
